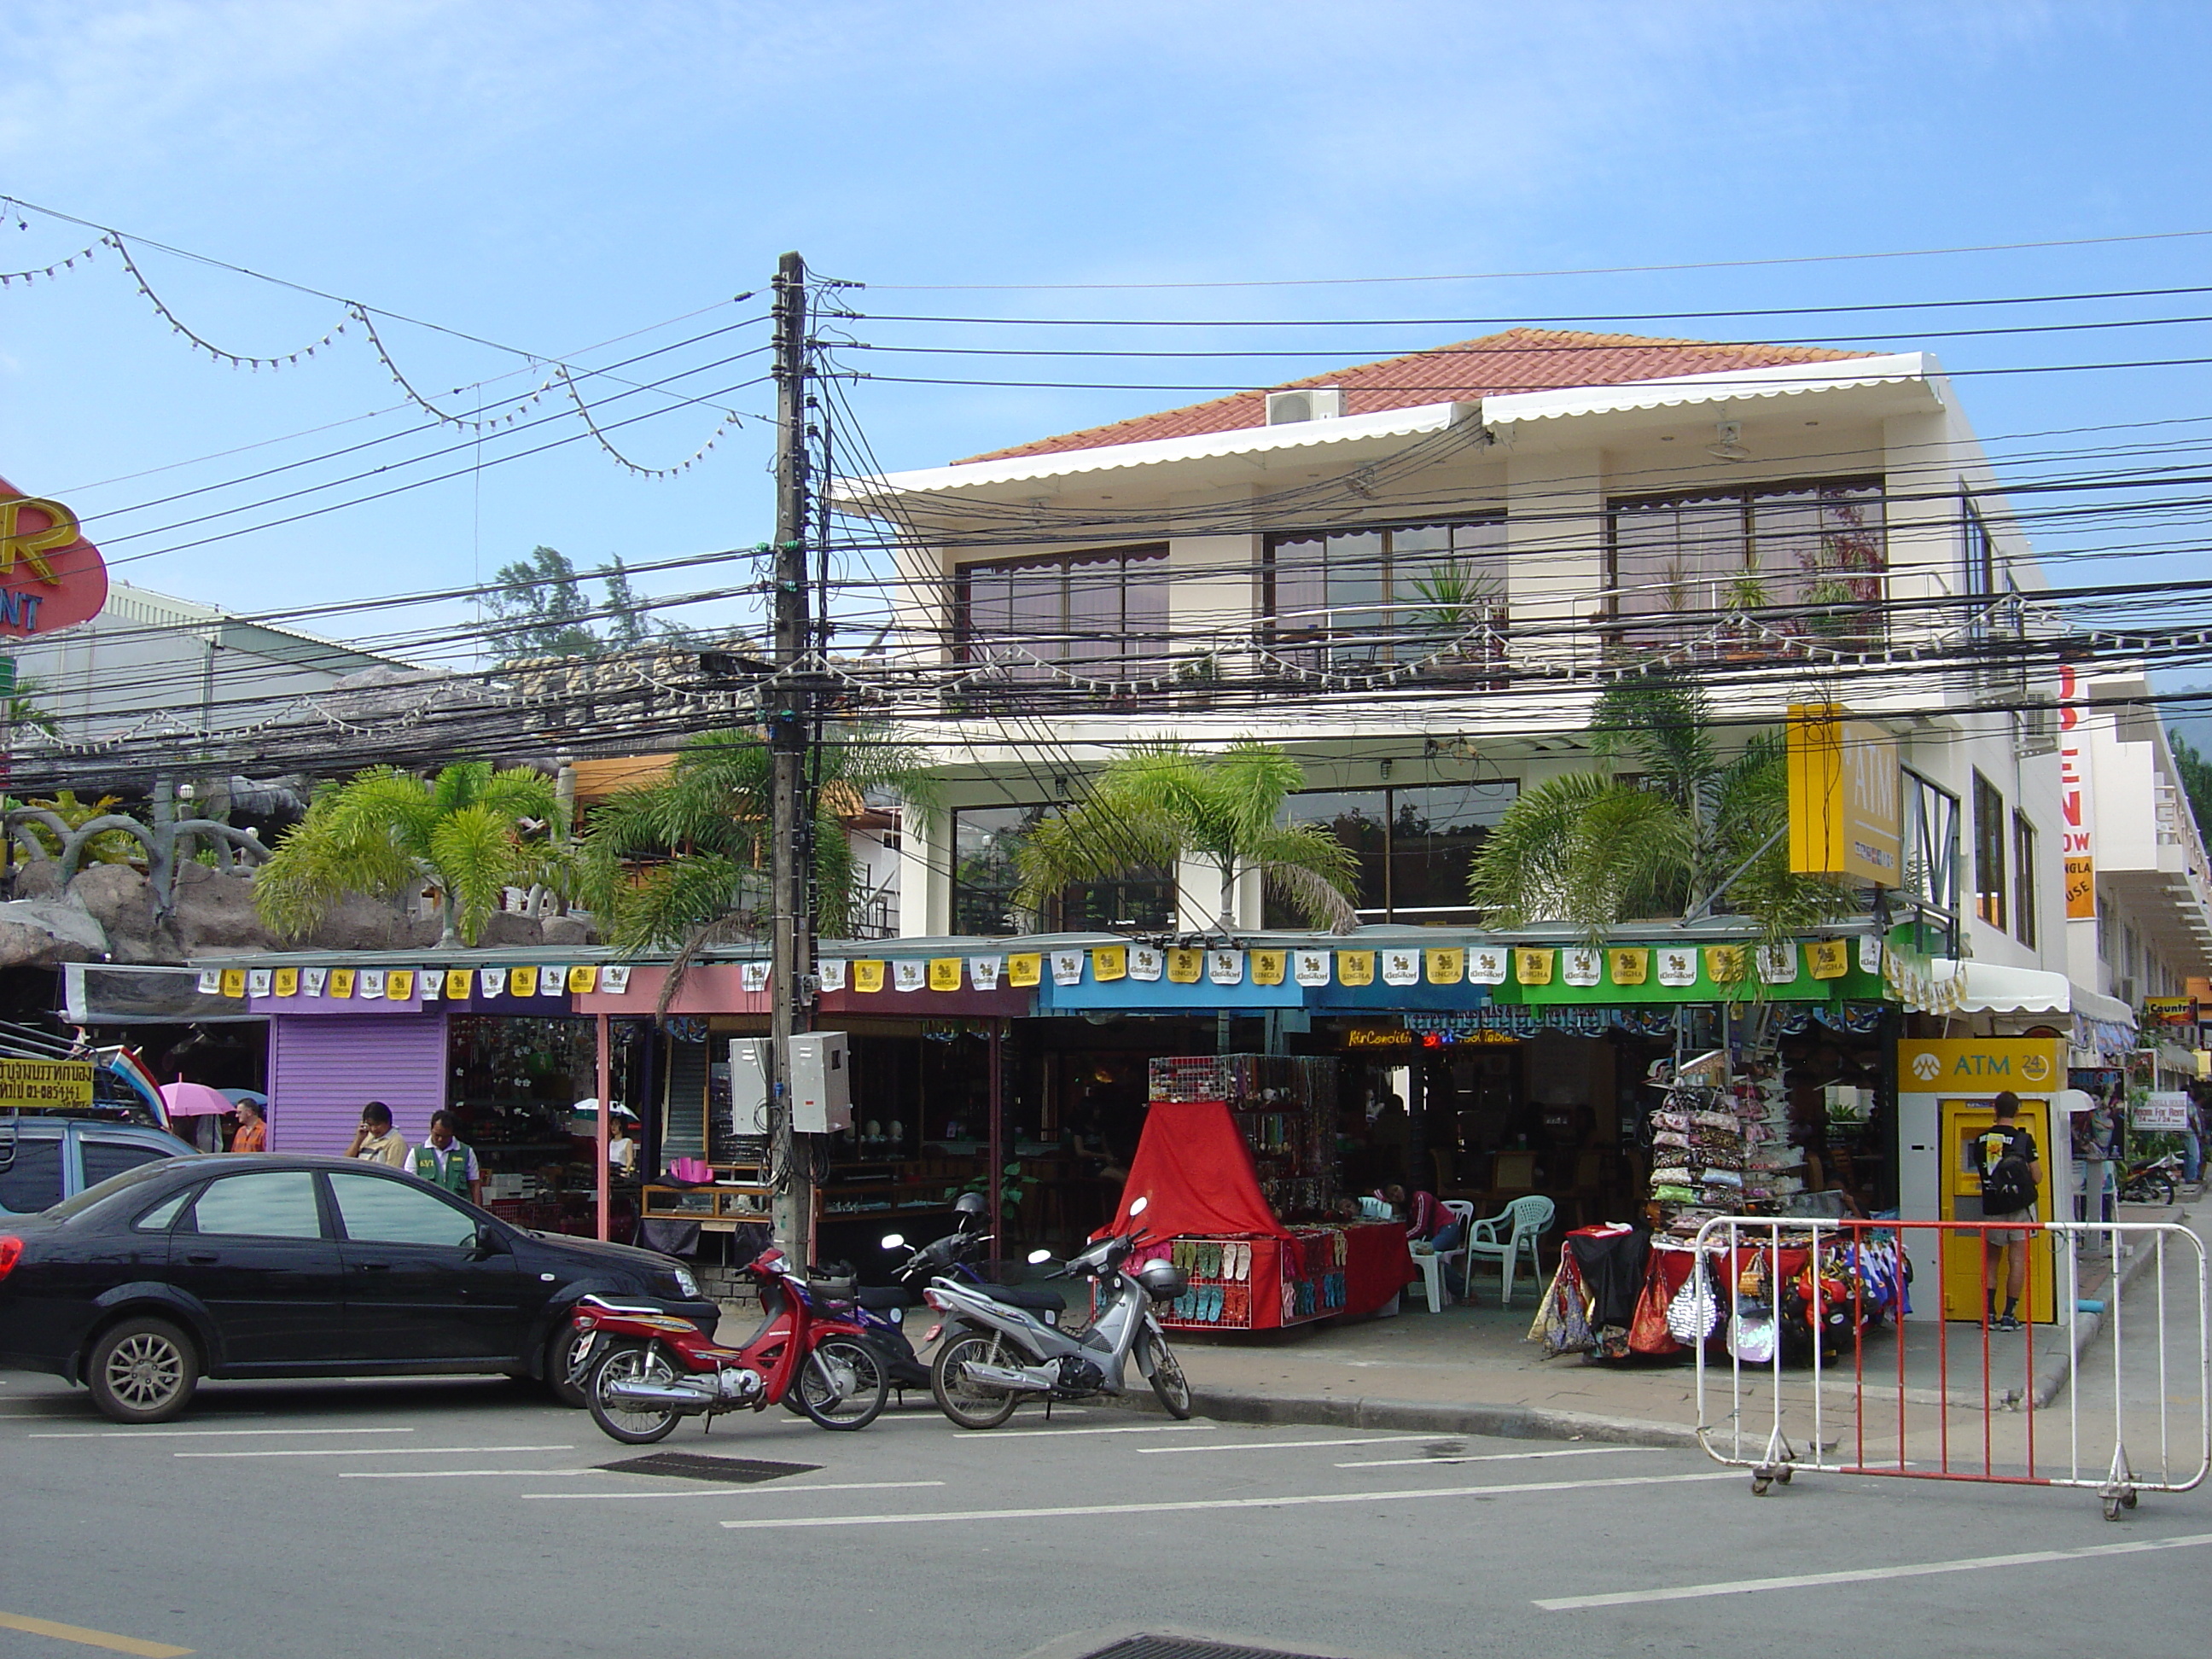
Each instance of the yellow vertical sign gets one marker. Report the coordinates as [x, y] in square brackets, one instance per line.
[1846, 796]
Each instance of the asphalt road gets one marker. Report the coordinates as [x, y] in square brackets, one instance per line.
[464, 1518]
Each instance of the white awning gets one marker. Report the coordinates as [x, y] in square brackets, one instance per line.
[1238, 440]
[1985, 987]
[2105, 1010]
[1730, 385]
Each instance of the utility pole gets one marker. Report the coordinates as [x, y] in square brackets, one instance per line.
[791, 970]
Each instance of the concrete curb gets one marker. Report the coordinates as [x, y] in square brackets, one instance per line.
[2051, 1379]
[1427, 1417]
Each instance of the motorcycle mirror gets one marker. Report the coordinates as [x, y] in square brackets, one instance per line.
[895, 1241]
[1140, 1206]
[1038, 1258]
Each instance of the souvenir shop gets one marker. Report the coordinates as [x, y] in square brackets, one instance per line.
[1238, 1170]
[1762, 1107]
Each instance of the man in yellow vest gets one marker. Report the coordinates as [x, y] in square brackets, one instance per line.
[445, 1162]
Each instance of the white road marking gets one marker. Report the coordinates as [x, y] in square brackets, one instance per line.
[374, 1451]
[1858, 1575]
[174, 1434]
[454, 1473]
[1293, 1446]
[735, 1491]
[1294, 1501]
[1146, 1428]
[1495, 1457]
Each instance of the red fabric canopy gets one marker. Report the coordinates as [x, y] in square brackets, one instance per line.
[1192, 1164]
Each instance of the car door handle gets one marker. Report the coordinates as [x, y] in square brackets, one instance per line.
[374, 1266]
[203, 1258]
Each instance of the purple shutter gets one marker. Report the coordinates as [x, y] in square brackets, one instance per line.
[323, 1070]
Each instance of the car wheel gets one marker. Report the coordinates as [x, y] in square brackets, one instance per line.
[143, 1371]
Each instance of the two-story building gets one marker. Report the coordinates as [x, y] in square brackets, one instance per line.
[1417, 575]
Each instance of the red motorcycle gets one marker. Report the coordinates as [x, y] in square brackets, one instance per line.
[647, 1369]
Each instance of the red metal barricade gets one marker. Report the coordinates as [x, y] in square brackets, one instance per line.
[1824, 1374]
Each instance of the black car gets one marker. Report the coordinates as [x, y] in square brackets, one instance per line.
[271, 1265]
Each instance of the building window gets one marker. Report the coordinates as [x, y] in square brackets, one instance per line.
[1415, 846]
[1102, 615]
[2024, 869]
[1981, 554]
[985, 876]
[1816, 550]
[1353, 599]
[1989, 852]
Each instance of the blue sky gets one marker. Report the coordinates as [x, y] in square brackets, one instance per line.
[553, 175]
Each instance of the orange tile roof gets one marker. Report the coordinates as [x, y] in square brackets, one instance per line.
[1518, 360]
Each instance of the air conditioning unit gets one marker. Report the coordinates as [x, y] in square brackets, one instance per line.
[1315, 403]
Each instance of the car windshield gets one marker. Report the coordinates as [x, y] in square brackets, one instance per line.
[70, 1208]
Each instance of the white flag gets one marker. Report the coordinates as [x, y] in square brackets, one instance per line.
[1402, 967]
[1311, 968]
[909, 973]
[1144, 961]
[983, 972]
[831, 972]
[1067, 967]
[1225, 967]
[753, 977]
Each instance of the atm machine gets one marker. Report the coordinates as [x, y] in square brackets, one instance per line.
[1945, 1089]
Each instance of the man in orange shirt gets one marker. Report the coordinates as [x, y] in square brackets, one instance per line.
[253, 1134]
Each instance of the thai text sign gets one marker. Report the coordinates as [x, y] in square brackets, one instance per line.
[2076, 806]
[1845, 796]
[30, 1085]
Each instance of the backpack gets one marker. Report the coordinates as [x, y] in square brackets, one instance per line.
[2007, 1186]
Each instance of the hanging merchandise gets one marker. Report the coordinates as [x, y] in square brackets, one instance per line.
[1695, 1312]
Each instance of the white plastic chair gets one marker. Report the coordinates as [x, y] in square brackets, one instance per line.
[1524, 1221]
[1433, 1263]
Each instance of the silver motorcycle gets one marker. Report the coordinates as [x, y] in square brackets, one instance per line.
[993, 1356]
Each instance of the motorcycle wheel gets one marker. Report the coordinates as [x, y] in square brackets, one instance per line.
[970, 1405]
[2151, 1186]
[843, 1384]
[1168, 1380]
[566, 1373]
[632, 1425]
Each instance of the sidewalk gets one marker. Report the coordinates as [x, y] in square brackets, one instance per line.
[1469, 1369]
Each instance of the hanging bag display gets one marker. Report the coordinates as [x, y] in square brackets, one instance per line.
[1695, 1312]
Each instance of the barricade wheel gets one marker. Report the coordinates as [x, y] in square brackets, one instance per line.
[1759, 1484]
[1783, 1477]
[2127, 1500]
[2111, 1509]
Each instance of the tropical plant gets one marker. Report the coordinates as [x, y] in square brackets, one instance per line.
[1155, 806]
[468, 835]
[108, 846]
[21, 710]
[539, 609]
[678, 863]
[1697, 830]
[1454, 595]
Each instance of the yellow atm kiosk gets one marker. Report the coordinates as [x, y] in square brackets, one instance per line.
[1958, 1078]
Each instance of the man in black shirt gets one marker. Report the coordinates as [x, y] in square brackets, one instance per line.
[2012, 1173]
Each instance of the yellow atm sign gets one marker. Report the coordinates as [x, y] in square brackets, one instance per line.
[35, 1086]
[1845, 796]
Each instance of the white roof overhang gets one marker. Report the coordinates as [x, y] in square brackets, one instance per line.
[1908, 375]
[1248, 440]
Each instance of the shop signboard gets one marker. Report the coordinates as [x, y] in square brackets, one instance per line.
[2171, 1011]
[1846, 796]
[31, 1086]
[50, 576]
[2164, 1113]
[2076, 806]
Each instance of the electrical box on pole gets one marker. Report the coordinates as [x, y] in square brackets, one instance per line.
[752, 1086]
[821, 1083]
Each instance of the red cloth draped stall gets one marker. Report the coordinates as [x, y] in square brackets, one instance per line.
[1192, 1164]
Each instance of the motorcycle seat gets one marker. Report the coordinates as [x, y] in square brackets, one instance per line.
[1032, 1298]
[881, 1298]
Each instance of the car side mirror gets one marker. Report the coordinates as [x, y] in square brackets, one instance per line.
[894, 1241]
[488, 1244]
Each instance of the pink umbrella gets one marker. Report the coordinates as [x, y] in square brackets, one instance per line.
[194, 1100]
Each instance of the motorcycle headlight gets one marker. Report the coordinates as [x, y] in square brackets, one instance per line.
[686, 1286]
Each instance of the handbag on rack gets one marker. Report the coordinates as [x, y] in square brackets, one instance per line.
[1695, 1312]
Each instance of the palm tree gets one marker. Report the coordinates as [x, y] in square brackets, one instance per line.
[678, 863]
[469, 833]
[1155, 806]
[1592, 850]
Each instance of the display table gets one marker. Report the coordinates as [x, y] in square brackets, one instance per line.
[1205, 1213]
